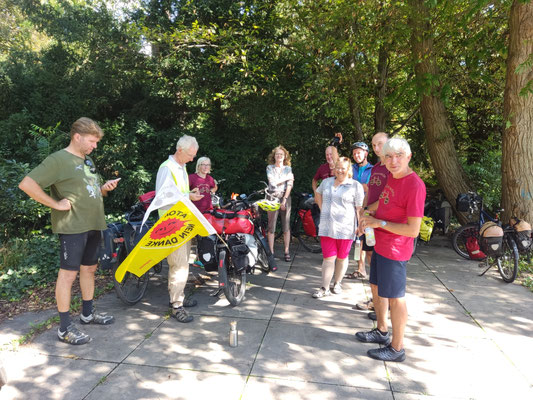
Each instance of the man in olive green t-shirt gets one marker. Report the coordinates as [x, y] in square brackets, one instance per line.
[78, 217]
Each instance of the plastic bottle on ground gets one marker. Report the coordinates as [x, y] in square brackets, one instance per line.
[357, 250]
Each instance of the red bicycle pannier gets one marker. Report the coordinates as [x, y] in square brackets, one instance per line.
[147, 198]
[472, 246]
[308, 223]
[226, 221]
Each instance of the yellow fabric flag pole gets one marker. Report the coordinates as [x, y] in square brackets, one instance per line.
[179, 225]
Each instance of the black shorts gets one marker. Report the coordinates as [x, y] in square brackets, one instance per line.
[365, 247]
[79, 249]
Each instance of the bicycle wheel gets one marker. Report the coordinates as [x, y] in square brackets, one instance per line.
[266, 259]
[310, 243]
[508, 261]
[233, 282]
[132, 288]
[460, 237]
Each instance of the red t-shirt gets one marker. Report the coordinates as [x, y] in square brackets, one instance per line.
[323, 172]
[204, 186]
[378, 179]
[400, 198]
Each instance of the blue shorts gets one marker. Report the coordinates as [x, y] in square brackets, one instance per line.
[79, 249]
[388, 275]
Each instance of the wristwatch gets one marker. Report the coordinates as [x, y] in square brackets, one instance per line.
[383, 223]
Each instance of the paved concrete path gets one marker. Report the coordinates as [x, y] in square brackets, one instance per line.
[467, 337]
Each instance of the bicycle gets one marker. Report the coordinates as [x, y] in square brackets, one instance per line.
[507, 259]
[303, 224]
[239, 234]
[118, 241]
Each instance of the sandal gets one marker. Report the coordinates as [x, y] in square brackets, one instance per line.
[355, 275]
[287, 257]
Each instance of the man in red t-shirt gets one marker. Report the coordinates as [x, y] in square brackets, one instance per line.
[396, 220]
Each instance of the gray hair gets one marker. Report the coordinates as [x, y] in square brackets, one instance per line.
[187, 142]
[396, 145]
[200, 161]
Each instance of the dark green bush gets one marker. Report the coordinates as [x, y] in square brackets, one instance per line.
[19, 215]
[27, 263]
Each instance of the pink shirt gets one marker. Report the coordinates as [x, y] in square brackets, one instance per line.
[378, 179]
[204, 186]
[400, 198]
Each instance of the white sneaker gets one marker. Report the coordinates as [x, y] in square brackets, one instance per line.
[322, 292]
[337, 288]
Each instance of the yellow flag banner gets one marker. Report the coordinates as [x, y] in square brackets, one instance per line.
[179, 225]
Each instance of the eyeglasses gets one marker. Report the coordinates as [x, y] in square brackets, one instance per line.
[90, 164]
[205, 165]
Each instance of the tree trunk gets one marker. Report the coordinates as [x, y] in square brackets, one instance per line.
[353, 102]
[517, 148]
[380, 114]
[448, 170]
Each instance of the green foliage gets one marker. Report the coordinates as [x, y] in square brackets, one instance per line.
[19, 214]
[485, 175]
[27, 263]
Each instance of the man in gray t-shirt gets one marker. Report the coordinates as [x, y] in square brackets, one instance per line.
[78, 217]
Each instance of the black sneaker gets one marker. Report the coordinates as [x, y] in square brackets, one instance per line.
[95, 318]
[73, 335]
[373, 336]
[181, 315]
[372, 315]
[387, 354]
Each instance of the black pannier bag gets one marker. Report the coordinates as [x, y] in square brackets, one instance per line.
[491, 239]
[239, 252]
[462, 202]
[522, 234]
[206, 252]
[107, 253]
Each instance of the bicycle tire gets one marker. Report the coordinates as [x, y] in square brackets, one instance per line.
[132, 288]
[268, 262]
[310, 243]
[232, 282]
[508, 261]
[461, 235]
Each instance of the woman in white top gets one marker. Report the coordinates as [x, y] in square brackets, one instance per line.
[340, 200]
[280, 182]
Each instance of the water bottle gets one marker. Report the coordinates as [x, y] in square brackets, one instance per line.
[357, 250]
[369, 236]
[233, 334]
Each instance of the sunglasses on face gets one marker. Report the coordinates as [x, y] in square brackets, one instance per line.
[91, 166]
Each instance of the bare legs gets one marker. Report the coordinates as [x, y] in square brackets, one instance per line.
[66, 278]
[398, 315]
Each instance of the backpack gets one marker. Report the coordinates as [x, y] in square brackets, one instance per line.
[426, 228]
[491, 239]
[308, 223]
[462, 202]
[472, 247]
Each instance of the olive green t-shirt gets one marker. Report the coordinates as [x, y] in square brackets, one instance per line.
[70, 178]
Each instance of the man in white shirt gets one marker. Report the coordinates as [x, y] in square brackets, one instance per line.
[178, 262]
